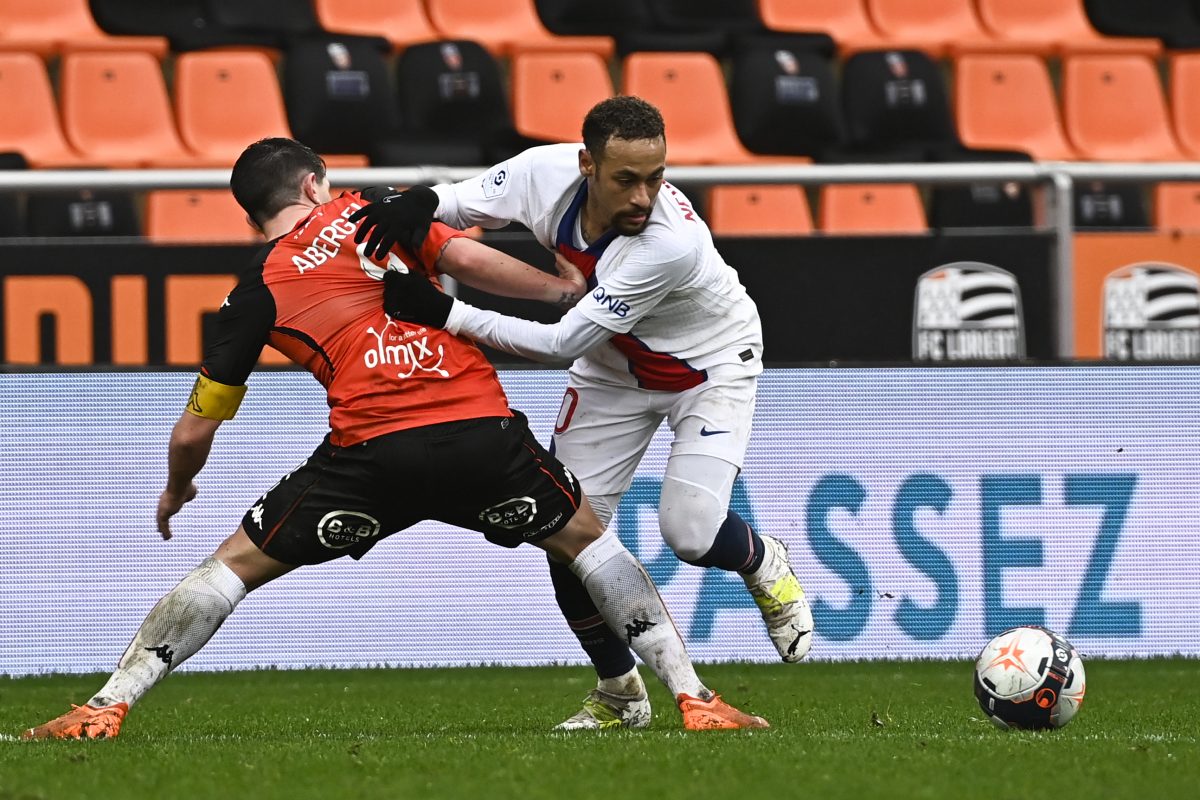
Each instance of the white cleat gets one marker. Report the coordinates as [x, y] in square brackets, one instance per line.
[603, 711]
[780, 598]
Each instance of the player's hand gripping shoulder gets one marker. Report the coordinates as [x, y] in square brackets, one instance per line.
[411, 297]
[402, 217]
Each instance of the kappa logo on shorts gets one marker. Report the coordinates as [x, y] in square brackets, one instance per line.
[338, 530]
[515, 513]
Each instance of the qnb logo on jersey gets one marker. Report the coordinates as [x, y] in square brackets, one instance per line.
[615, 305]
[967, 311]
[1152, 313]
[515, 513]
[327, 243]
[338, 530]
[407, 349]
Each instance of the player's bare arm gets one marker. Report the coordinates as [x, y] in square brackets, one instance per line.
[489, 270]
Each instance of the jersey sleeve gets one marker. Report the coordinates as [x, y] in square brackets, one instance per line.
[639, 282]
[431, 249]
[244, 322]
[492, 199]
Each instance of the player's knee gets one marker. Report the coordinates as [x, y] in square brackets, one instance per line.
[688, 529]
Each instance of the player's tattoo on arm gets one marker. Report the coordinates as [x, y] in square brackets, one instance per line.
[567, 299]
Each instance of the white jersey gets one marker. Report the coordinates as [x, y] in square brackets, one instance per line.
[676, 309]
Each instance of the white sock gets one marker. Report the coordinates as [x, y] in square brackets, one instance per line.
[624, 686]
[175, 629]
[630, 604]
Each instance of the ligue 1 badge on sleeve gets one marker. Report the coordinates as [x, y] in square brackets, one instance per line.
[968, 311]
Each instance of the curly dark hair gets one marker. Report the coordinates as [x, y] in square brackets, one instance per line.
[622, 117]
[266, 178]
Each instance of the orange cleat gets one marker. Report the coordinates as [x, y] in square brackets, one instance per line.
[82, 722]
[714, 713]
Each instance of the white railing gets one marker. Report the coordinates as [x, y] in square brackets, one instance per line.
[1058, 178]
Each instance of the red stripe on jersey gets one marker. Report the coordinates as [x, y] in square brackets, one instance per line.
[659, 371]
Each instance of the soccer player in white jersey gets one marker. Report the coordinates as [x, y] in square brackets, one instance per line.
[667, 332]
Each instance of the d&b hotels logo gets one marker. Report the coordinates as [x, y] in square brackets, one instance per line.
[968, 311]
[1152, 313]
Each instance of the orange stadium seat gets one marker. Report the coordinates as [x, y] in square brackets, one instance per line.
[30, 123]
[871, 208]
[210, 215]
[934, 26]
[552, 92]
[506, 26]
[767, 210]
[401, 22]
[845, 20]
[1177, 206]
[1007, 102]
[1185, 102]
[57, 26]
[1114, 109]
[689, 89]
[1058, 26]
[115, 111]
[226, 100]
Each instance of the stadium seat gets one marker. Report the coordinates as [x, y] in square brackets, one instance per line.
[1007, 102]
[731, 16]
[871, 208]
[401, 22]
[845, 20]
[1110, 206]
[767, 210]
[226, 100]
[115, 111]
[58, 26]
[689, 89]
[1177, 206]
[210, 215]
[82, 213]
[506, 26]
[1054, 26]
[552, 92]
[187, 24]
[784, 99]
[453, 108]
[30, 123]
[933, 26]
[894, 106]
[1173, 21]
[1185, 100]
[613, 18]
[338, 95]
[284, 18]
[1114, 109]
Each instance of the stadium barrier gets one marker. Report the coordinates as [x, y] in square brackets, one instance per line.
[926, 509]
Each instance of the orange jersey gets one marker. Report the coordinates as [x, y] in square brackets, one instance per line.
[316, 299]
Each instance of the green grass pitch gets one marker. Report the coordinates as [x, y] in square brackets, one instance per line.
[840, 730]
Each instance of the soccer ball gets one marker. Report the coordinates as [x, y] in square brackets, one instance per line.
[1031, 678]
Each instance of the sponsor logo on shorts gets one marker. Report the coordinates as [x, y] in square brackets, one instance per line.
[1152, 313]
[547, 526]
[338, 530]
[515, 513]
[968, 311]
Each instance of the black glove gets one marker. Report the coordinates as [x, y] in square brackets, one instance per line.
[402, 217]
[411, 297]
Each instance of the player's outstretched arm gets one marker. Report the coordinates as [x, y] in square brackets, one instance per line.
[489, 270]
[191, 441]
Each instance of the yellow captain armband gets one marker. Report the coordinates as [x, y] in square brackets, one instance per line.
[214, 400]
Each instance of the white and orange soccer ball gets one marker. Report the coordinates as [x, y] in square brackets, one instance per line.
[1031, 678]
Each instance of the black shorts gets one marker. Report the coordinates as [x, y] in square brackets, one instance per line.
[488, 475]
